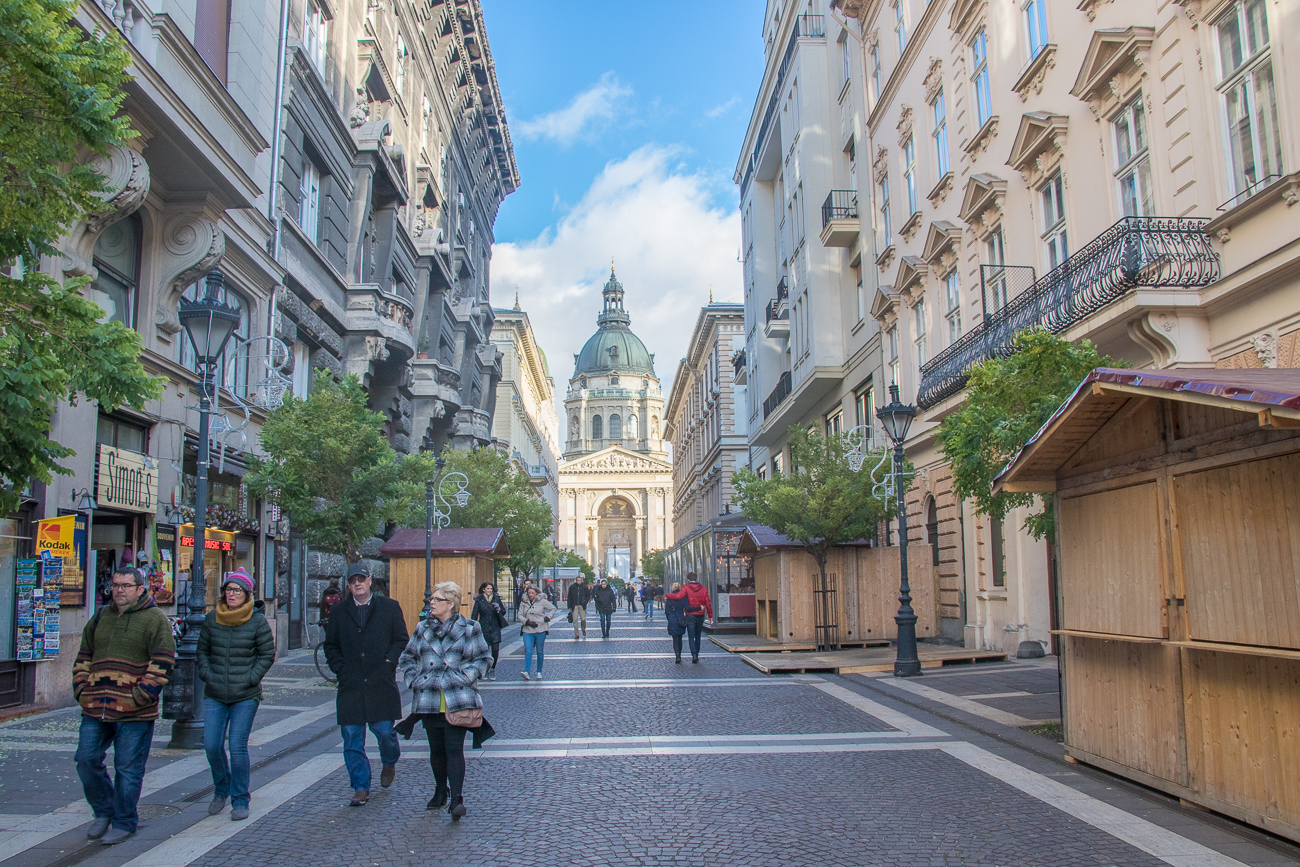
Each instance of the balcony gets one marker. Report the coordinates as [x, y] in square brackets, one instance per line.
[739, 367]
[1135, 252]
[840, 223]
[777, 313]
[780, 393]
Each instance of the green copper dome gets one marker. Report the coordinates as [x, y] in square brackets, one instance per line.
[614, 348]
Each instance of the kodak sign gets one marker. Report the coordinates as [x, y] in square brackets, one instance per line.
[56, 536]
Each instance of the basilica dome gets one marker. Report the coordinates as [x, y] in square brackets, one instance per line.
[613, 348]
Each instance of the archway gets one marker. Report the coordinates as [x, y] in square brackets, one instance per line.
[616, 537]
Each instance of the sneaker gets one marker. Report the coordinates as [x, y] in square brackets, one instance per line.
[238, 814]
[539, 675]
[98, 828]
[217, 805]
[386, 775]
[524, 675]
[115, 836]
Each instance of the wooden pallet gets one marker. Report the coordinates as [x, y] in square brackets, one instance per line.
[755, 644]
[863, 661]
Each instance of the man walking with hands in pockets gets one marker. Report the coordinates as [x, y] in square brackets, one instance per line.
[579, 596]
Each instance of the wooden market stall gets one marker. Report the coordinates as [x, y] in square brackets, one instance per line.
[864, 590]
[466, 556]
[1178, 522]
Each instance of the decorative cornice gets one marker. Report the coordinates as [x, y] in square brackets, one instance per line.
[1035, 72]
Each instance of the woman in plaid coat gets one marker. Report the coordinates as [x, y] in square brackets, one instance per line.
[442, 664]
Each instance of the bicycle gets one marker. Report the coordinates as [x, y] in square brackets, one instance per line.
[318, 656]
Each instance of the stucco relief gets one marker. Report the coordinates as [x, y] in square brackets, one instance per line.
[192, 245]
[126, 180]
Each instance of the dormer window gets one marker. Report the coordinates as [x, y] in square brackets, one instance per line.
[613, 380]
[583, 382]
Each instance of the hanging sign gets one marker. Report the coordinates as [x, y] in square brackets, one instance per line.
[125, 482]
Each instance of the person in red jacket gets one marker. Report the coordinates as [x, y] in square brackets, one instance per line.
[697, 608]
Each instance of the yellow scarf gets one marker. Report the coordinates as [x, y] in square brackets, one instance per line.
[227, 616]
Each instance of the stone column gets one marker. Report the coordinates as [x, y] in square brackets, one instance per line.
[640, 541]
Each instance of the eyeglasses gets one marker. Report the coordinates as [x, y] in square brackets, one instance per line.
[233, 589]
[439, 599]
[358, 579]
[125, 587]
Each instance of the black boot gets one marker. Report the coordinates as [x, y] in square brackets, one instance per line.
[457, 808]
[439, 800]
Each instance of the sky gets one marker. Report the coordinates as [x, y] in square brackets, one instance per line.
[627, 122]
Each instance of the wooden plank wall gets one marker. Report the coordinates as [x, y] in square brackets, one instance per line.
[406, 583]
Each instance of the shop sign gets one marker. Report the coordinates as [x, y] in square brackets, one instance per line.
[162, 575]
[208, 544]
[125, 482]
[65, 537]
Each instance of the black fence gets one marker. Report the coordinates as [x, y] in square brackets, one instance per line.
[840, 205]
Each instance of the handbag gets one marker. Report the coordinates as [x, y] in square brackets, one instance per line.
[570, 616]
[469, 718]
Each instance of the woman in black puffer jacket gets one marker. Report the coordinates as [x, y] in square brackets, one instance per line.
[490, 612]
[235, 652]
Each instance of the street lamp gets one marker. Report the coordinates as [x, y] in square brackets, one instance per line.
[896, 418]
[208, 322]
[84, 501]
[433, 492]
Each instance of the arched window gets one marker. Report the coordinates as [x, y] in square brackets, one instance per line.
[597, 428]
[232, 371]
[932, 529]
[117, 258]
[615, 427]
[631, 427]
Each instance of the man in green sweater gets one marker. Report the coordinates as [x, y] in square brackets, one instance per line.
[127, 654]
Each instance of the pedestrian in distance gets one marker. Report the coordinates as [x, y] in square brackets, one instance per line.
[490, 612]
[675, 611]
[606, 605]
[331, 597]
[363, 642]
[648, 601]
[126, 657]
[536, 614]
[443, 664]
[236, 650]
[579, 596]
[697, 607]
[630, 593]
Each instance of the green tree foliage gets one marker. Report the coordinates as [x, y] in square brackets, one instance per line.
[62, 92]
[652, 564]
[1007, 401]
[566, 557]
[821, 503]
[331, 468]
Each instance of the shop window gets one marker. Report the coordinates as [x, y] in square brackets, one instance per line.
[121, 435]
[117, 259]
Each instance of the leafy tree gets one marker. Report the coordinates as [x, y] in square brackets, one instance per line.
[62, 93]
[1007, 401]
[566, 557]
[652, 564]
[821, 503]
[331, 468]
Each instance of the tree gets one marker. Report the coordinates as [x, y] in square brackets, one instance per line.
[821, 503]
[62, 94]
[1007, 401]
[652, 564]
[331, 468]
[568, 558]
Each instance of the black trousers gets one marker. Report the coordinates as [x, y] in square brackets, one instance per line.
[496, 652]
[446, 753]
[677, 647]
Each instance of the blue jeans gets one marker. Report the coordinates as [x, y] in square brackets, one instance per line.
[114, 799]
[650, 607]
[694, 624]
[534, 640]
[354, 750]
[605, 618]
[229, 777]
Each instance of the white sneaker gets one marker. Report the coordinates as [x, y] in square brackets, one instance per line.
[524, 675]
[539, 675]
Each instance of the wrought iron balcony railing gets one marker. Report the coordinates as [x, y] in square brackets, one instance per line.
[774, 311]
[840, 205]
[738, 362]
[1135, 252]
[780, 393]
[782, 289]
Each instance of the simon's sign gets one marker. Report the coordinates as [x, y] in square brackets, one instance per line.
[125, 482]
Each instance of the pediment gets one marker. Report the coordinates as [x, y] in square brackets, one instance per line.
[884, 301]
[616, 459]
[963, 15]
[941, 236]
[1110, 52]
[980, 191]
[1039, 132]
[912, 272]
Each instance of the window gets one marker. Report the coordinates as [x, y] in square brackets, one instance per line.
[1054, 221]
[645, 383]
[776, 465]
[886, 227]
[979, 50]
[893, 356]
[1134, 168]
[399, 77]
[597, 428]
[232, 367]
[212, 35]
[909, 176]
[1036, 26]
[941, 134]
[613, 380]
[583, 382]
[615, 427]
[121, 435]
[996, 282]
[845, 63]
[835, 424]
[309, 200]
[1246, 72]
[631, 427]
[865, 401]
[117, 259]
[952, 297]
[862, 302]
[877, 76]
[918, 312]
[315, 36]
[900, 26]
[997, 554]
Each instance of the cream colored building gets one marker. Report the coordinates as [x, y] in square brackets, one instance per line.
[706, 417]
[525, 423]
[1124, 172]
[615, 479]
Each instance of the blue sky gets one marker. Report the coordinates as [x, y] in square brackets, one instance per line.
[626, 120]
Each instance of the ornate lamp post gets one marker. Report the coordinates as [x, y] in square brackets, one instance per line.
[896, 418]
[209, 322]
[433, 493]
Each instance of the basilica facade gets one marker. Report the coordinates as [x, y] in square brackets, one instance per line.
[615, 478]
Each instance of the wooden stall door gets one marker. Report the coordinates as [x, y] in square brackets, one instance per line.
[765, 596]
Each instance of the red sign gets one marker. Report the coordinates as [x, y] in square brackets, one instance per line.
[208, 544]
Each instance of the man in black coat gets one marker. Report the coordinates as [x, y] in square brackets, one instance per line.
[365, 638]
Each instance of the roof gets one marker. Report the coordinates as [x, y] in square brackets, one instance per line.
[483, 541]
[614, 348]
[1272, 395]
[763, 538]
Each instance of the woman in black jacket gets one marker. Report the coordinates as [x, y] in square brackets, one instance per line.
[490, 612]
[235, 652]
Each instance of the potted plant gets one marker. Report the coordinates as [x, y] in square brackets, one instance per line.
[422, 350]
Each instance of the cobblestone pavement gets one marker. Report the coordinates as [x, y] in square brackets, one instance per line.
[622, 757]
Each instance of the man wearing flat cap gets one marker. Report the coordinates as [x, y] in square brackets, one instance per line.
[363, 641]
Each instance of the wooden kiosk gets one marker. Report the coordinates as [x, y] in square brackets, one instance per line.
[864, 583]
[466, 556]
[1178, 523]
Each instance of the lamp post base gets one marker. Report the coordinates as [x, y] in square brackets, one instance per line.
[187, 734]
[907, 668]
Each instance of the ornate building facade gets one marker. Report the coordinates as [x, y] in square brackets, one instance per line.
[616, 478]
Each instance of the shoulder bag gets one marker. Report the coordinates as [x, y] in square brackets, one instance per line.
[469, 718]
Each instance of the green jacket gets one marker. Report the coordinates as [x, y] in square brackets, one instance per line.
[232, 660]
[124, 662]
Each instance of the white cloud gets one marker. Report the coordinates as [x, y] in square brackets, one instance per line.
[669, 242]
[723, 108]
[598, 103]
